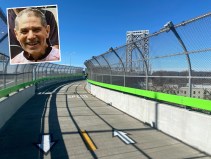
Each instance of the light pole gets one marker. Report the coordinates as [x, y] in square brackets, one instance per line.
[70, 59]
[70, 56]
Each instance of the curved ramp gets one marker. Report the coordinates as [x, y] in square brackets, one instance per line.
[65, 121]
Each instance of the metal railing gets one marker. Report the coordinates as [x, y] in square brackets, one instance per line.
[177, 61]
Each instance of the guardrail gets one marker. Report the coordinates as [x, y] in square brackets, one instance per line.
[191, 103]
[5, 92]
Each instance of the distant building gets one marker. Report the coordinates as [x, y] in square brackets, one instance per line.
[198, 91]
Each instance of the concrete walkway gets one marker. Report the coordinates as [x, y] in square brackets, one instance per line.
[80, 126]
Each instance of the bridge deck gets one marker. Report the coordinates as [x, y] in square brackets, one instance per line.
[82, 127]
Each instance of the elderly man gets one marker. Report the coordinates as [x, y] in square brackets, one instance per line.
[32, 32]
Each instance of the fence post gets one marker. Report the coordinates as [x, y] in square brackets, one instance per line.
[4, 71]
[109, 67]
[145, 63]
[112, 50]
[99, 65]
[171, 27]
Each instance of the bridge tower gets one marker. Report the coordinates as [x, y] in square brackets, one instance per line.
[140, 37]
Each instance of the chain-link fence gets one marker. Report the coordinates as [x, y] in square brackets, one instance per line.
[11, 75]
[176, 61]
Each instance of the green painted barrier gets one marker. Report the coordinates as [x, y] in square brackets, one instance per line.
[5, 92]
[176, 99]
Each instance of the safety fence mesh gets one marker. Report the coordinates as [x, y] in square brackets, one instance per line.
[174, 60]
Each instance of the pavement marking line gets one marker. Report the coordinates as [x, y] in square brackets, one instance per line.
[77, 96]
[88, 140]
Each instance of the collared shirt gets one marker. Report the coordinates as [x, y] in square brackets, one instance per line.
[54, 55]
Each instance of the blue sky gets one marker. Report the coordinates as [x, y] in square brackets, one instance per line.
[90, 27]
